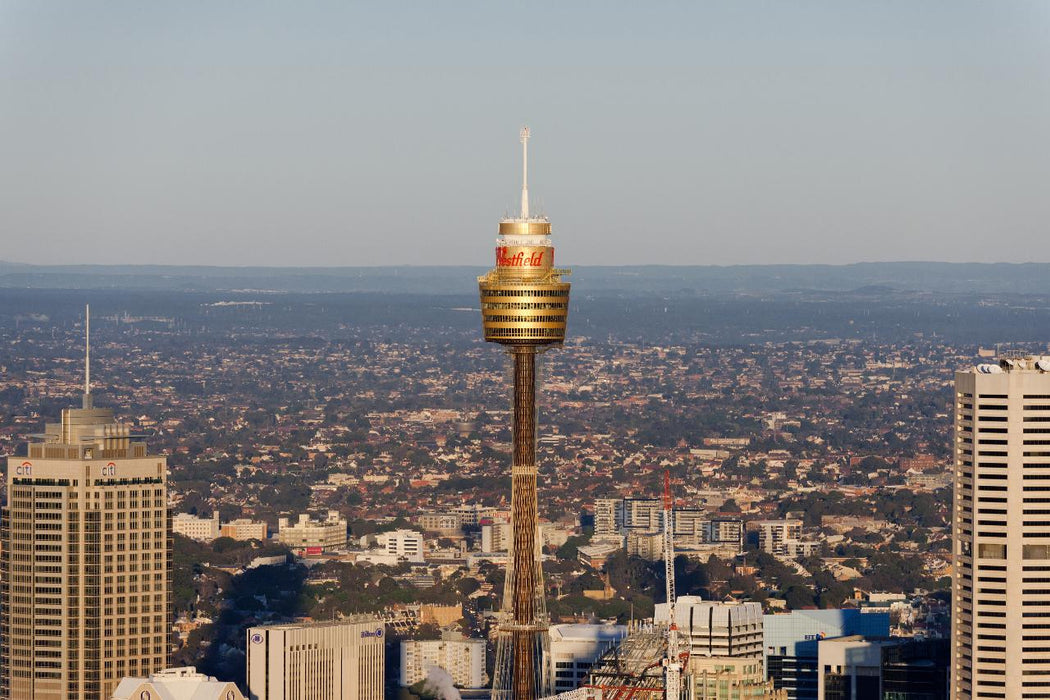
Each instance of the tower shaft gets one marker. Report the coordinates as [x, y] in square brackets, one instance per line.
[523, 522]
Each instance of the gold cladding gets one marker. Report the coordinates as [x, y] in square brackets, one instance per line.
[525, 228]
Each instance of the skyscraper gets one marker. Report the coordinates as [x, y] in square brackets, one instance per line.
[86, 561]
[524, 306]
[1001, 531]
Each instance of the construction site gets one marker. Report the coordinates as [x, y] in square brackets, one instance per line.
[655, 659]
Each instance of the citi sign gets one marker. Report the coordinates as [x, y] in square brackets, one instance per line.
[109, 470]
[24, 469]
[520, 259]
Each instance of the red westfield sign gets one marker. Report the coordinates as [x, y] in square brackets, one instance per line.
[523, 257]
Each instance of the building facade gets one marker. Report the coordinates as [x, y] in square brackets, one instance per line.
[608, 516]
[717, 629]
[790, 643]
[306, 533]
[200, 529]
[244, 529]
[177, 683]
[317, 661]
[575, 648]
[86, 561]
[643, 514]
[728, 678]
[463, 659]
[774, 536]
[1001, 531]
[405, 545]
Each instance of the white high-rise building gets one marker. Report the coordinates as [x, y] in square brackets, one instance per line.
[717, 629]
[463, 659]
[1001, 531]
[335, 660]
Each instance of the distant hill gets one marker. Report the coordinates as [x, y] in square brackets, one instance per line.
[867, 279]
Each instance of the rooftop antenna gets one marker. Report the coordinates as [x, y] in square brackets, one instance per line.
[524, 173]
[87, 356]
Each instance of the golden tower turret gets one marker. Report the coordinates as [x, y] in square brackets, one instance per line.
[523, 299]
[524, 306]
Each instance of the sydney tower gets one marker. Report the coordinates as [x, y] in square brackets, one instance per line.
[524, 306]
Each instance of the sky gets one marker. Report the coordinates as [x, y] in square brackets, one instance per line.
[386, 133]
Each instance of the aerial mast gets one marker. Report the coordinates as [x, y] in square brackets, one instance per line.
[87, 356]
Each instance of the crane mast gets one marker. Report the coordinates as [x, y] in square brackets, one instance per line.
[672, 662]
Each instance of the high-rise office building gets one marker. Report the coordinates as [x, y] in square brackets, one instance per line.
[1001, 531]
[790, 642]
[338, 660]
[86, 561]
[524, 307]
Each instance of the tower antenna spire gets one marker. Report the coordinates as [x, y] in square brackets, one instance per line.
[87, 355]
[525, 173]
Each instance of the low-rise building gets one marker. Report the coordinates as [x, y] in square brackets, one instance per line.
[306, 533]
[244, 529]
[177, 684]
[647, 545]
[404, 545]
[575, 648]
[200, 529]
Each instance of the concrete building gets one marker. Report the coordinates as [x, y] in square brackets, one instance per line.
[643, 514]
[335, 660]
[177, 684]
[688, 523]
[441, 523]
[717, 629]
[595, 554]
[790, 643]
[727, 531]
[495, 537]
[728, 678]
[404, 545]
[244, 529]
[86, 561]
[463, 659]
[575, 648]
[608, 516]
[200, 529]
[850, 668]
[472, 515]
[774, 535]
[647, 545]
[1001, 530]
[306, 533]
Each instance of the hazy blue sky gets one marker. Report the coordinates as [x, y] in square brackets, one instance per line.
[341, 133]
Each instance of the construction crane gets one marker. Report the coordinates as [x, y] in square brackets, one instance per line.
[672, 661]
